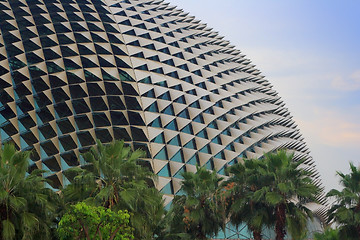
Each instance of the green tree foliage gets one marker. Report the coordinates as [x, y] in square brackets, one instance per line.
[115, 179]
[289, 188]
[198, 212]
[82, 221]
[244, 206]
[147, 214]
[269, 192]
[346, 210]
[328, 234]
[26, 206]
[113, 170]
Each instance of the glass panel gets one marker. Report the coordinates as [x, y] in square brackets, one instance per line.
[87, 63]
[175, 141]
[29, 138]
[77, 91]
[118, 118]
[187, 129]
[27, 121]
[169, 110]
[84, 50]
[47, 131]
[98, 104]
[83, 122]
[121, 134]
[115, 103]
[168, 189]
[194, 160]
[80, 106]
[9, 129]
[152, 108]
[45, 115]
[103, 135]
[178, 157]
[164, 172]
[162, 154]
[70, 158]
[67, 142]
[178, 174]
[65, 126]
[191, 144]
[156, 123]
[94, 89]
[50, 150]
[63, 39]
[138, 134]
[132, 103]
[206, 149]
[159, 139]
[85, 139]
[135, 118]
[59, 95]
[62, 110]
[101, 120]
[172, 125]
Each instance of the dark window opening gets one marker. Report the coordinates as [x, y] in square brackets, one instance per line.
[47, 131]
[103, 135]
[85, 139]
[98, 104]
[83, 122]
[135, 119]
[67, 142]
[65, 126]
[45, 115]
[121, 134]
[101, 120]
[80, 106]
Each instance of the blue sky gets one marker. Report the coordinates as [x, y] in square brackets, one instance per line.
[310, 52]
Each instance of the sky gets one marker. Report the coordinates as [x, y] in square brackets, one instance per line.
[310, 52]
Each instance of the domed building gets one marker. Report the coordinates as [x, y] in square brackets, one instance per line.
[72, 71]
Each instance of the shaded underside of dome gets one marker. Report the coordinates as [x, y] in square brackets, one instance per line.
[138, 70]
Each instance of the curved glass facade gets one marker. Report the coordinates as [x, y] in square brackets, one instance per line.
[72, 71]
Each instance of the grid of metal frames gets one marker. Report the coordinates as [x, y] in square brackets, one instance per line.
[143, 71]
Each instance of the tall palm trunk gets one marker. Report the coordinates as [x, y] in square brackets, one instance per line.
[358, 231]
[200, 234]
[3, 216]
[257, 235]
[357, 209]
[280, 222]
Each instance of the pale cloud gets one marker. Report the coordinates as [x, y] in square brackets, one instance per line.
[305, 82]
[348, 83]
[295, 73]
[333, 138]
[282, 60]
[330, 128]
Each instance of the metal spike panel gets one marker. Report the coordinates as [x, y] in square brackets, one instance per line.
[72, 71]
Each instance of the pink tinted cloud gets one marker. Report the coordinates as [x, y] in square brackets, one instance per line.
[348, 83]
[331, 128]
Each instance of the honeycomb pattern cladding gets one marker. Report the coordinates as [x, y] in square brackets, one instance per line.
[72, 71]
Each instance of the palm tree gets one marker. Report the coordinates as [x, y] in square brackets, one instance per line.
[109, 176]
[244, 206]
[115, 179]
[328, 234]
[198, 211]
[288, 190]
[346, 210]
[147, 213]
[26, 210]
